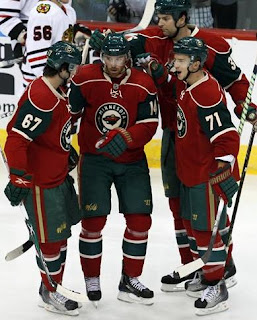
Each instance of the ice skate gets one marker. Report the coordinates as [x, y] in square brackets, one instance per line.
[93, 289]
[57, 303]
[195, 287]
[133, 291]
[213, 300]
[171, 284]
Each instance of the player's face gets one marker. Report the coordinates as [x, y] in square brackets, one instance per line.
[65, 1]
[115, 65]
[167, 24]
[181, 64]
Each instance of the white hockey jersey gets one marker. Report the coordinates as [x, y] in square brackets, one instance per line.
[46, 25]
[14, 16]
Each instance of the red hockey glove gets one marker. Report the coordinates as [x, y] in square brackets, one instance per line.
[114, 143]
[251, 115]
[223, 184]
[18, 187]
[150, 62]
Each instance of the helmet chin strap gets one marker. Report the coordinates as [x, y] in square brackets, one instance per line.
[189, 72]
[177, 29]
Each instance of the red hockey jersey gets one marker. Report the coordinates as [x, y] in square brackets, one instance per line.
[39, 134]
[106, 104]
[205, 131]
[219, 63]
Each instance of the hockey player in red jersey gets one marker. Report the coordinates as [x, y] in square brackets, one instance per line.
[154, 48]
[37, 150]
[206, 146]
[119, 115]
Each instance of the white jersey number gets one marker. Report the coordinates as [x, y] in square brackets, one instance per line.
[31, 122]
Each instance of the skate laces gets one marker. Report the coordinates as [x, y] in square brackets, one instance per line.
[135, 283]
[92, 284]
[210, 293]
[59, 298]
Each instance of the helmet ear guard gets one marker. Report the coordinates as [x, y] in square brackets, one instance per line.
[63, 52]
[193, 47]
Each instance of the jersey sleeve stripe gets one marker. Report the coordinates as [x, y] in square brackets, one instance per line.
[221, 133]
[148, 120]
[22, 134]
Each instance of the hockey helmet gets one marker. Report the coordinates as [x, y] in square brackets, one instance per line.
[63, 52]
[115, 44]
[172, 7]
[195, 48]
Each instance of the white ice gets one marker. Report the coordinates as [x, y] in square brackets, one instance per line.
[20, 278]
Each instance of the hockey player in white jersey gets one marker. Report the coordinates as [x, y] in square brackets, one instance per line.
[47, 22]
[14, 17]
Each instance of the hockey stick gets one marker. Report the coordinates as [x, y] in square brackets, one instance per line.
[59, 288]
[15, 253]
[7, 63]
[193, 266]
[146, 18]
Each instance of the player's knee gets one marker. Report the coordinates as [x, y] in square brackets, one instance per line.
[138, 222]
[53, 247]
[93, 226]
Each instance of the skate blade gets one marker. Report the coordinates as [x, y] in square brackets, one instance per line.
[51, 308]
[131, 298]
[95, 304]
[222, 306]
[230, 282]
[194, 294]
[179, 287]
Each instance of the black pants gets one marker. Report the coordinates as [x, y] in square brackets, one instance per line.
[224, 16]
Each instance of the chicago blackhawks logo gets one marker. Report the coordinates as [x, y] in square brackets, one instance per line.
[181, 123]
[110, 116]
[43, 8]
[65, 138]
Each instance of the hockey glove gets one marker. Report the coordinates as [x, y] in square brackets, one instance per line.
[151, 64]
[80, 34]
[251, 115]
[114, 143]
[22, 37]
[96, 40]
[73, 159]
[223, 184]
[18, 187]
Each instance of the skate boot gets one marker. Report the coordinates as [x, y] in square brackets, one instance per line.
[171, 284]
[57, 303]
[195, 288]
[133, 291]
[93, 288]
[213, 300]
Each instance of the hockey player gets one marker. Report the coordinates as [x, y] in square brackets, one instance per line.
[39, 134]
[150, 46]
[119, 115]
[206, 146]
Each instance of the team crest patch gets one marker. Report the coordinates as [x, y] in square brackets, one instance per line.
[43, 8]
[181, 123]
[65, 137]
[110, 116]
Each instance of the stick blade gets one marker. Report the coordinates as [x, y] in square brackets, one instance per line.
[72, 295]
[188, 268]
[18, 251]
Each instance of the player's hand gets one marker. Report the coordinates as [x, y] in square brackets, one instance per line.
[80, 34]
[18, 187]
[223, 183]
[73, 159]
[22, 37]
[114, 143]
[251, 115]
[96, 40]
[150, 63]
